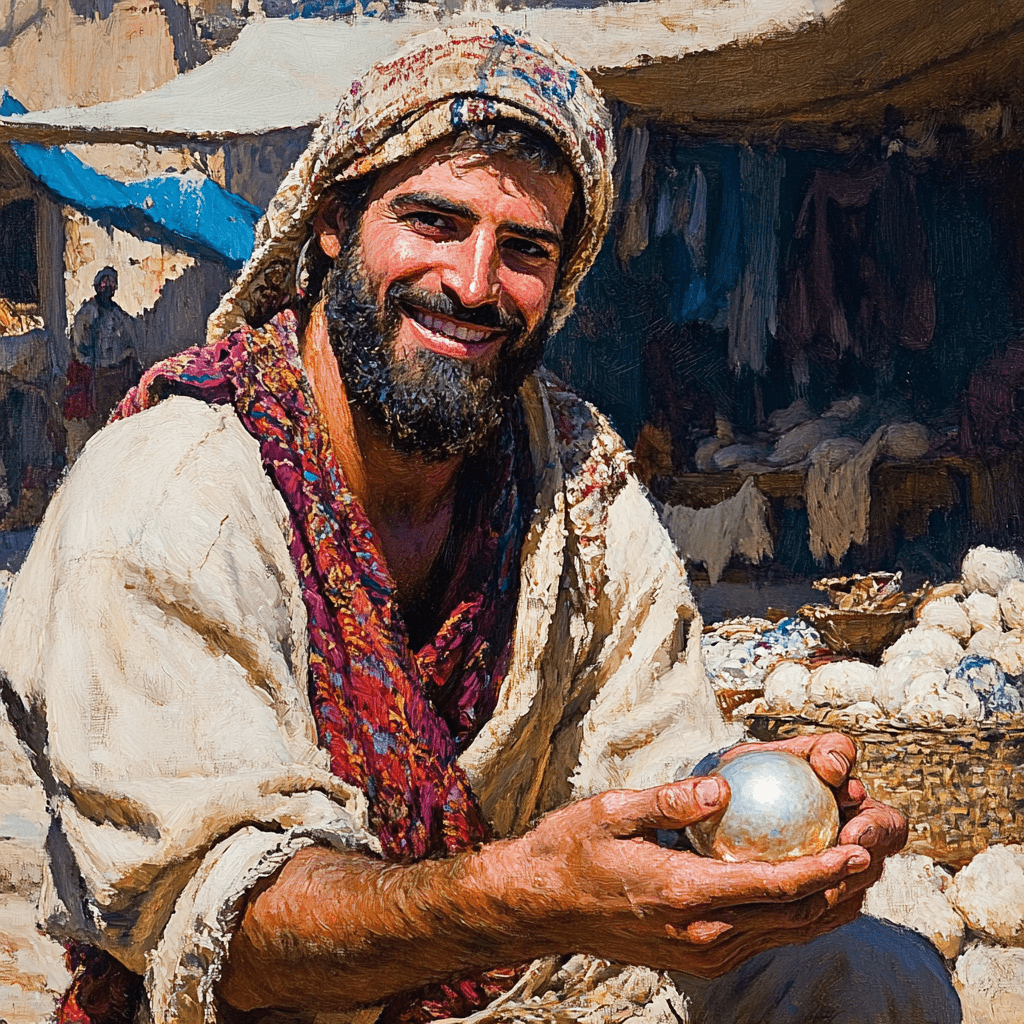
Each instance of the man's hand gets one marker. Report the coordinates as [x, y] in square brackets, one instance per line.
[335, 930]
[608, 889]
[880, 829]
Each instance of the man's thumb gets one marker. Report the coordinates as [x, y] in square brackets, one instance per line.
[669, 807]
[694, 799]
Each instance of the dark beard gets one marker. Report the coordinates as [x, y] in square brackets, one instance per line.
[430, 405]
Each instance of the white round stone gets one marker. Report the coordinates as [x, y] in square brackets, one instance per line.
[990, 983]
[990, 569]
[933, 645]
[983, 611]
[989, 893]
[785, 687]
[946, 613]
[911, 892]
[1011, 604]
[839, 683]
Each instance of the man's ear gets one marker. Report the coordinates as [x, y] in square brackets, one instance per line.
[328, 228]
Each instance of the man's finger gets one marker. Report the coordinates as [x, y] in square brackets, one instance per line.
[799, 745]
[850, 795]
[700, 933]
[841, 915]
[780, 916]
[854, 887]
[877, 827]
[733, 945]
[631, 812]
[831, 755]
[729, 885]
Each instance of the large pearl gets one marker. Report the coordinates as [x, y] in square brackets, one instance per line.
[778, 809]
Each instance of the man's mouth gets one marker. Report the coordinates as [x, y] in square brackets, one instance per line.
[456, 330]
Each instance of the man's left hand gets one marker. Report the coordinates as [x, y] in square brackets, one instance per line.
[879, 828]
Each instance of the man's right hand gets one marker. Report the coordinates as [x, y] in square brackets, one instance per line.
[337, 929]
[591, 879]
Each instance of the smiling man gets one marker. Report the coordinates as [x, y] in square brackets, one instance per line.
[356, 664]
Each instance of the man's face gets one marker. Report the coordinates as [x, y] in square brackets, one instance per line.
[105, 288]
[437, 305]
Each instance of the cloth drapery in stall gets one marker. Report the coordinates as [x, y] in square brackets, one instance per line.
[858, 279]
[753, 305]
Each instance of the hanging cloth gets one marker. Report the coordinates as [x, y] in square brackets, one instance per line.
[859, 281]
[753, 304]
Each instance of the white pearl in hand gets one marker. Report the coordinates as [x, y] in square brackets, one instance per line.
[778, 809]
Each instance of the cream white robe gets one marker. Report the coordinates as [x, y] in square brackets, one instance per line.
[156, 648]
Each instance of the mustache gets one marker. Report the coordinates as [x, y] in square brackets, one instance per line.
[488, 317]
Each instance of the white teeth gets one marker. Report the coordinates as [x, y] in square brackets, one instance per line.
[449, 329]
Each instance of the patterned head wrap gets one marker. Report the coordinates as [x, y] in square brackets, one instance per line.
[444, 81]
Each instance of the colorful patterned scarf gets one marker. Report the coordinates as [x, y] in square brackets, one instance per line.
[393, 720]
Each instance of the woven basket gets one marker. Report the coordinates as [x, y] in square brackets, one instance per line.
[730, 700]
[961, 788]
[863, 633]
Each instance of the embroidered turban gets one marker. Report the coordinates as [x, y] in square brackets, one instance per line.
[444, 81]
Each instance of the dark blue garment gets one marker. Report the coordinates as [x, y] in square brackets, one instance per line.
[699, 292]
[866, 972]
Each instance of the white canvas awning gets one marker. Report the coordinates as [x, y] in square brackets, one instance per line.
[766, 70]
[869, 63]
[286, 73]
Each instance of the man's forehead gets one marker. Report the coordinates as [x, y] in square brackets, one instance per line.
[438, 165]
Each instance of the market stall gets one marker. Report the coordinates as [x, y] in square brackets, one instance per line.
[930, 686]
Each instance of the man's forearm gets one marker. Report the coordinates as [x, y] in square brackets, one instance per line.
[337, 930]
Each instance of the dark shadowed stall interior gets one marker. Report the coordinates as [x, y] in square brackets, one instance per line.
[815, 289]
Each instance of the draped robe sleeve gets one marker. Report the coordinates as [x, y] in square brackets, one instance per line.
[606, 689]
[155, 641]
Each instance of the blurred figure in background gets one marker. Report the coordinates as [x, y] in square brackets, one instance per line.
[105, 363]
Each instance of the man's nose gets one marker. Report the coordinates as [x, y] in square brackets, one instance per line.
[472, 272]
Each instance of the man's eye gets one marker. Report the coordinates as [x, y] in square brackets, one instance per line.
[524, 248]
[433, 223]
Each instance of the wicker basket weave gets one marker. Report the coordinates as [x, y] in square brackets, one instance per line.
[961, 788]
